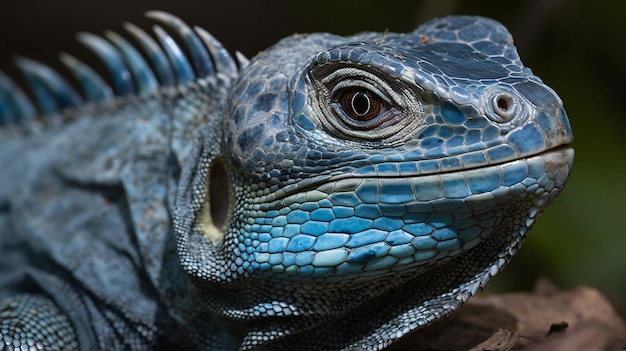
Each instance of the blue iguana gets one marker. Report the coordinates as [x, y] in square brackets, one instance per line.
[330, 193]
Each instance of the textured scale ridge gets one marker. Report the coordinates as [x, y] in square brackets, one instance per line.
[330, 193]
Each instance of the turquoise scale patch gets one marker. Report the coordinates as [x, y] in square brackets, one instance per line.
[304, 122]
[544, 180]
[271, 213]
[289, 259]
[450, 163]
[501, 153]
[276, 232]
[279, 221]
[398, 237]
[527, 140]
[504, 191]
[536, 169]
[370, 211]
[275, 259]
[455, 187]
[309, 206]
[387, 169]
[344, 199]
[365, 253]
[419, 229]
[368, 191]
[513, 173]
[330, 257]
[277, 245]
[408, 168]
[304, 258]
[367, 237]
[262, 257]
[325, 203]
[349, 225]
[440, 220]
[323, 214]
[403, 250]
[290, 230]
[396, 191]
[484, 181]
[428, 189]
[424, 242]
[455, 144]
[473, 159]
[444, 234]
[393, 210]
[314, 228]
[330, 241]
[343, 212]
[301, 243]
[452, 205]
[388, 223]
[451, 114]
[367, 170]
[377, 158]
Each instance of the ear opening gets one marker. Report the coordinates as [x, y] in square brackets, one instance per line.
[214, 215]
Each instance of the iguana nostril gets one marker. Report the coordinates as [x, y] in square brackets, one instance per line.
[505, 107]
[504, 102]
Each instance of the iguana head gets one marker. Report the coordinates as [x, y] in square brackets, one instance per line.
[381, 172]
[343, 191]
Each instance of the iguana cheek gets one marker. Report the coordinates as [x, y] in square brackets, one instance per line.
[368, 226]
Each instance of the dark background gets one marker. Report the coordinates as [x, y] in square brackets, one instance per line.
[577, 47]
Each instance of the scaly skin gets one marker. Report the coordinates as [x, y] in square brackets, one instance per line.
[332, 193]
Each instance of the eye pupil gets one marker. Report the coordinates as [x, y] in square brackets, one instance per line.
[361, 105]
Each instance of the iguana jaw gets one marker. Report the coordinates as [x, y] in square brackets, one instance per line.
[405, 214]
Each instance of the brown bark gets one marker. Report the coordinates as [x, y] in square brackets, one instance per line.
[580, 319]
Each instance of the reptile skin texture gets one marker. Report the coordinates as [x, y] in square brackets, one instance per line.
[331, 193]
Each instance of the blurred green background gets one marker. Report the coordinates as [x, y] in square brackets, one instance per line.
[577, 47]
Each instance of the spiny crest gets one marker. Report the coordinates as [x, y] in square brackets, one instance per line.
[158, 62]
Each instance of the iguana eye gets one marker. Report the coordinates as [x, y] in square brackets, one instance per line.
[352, 103]
[361, 108]
[361, 105]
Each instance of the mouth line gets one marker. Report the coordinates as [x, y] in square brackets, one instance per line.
[314, 183]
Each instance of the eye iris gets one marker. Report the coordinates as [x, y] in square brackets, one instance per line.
[361, 105]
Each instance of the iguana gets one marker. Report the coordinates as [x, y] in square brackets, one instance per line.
[330, 193]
